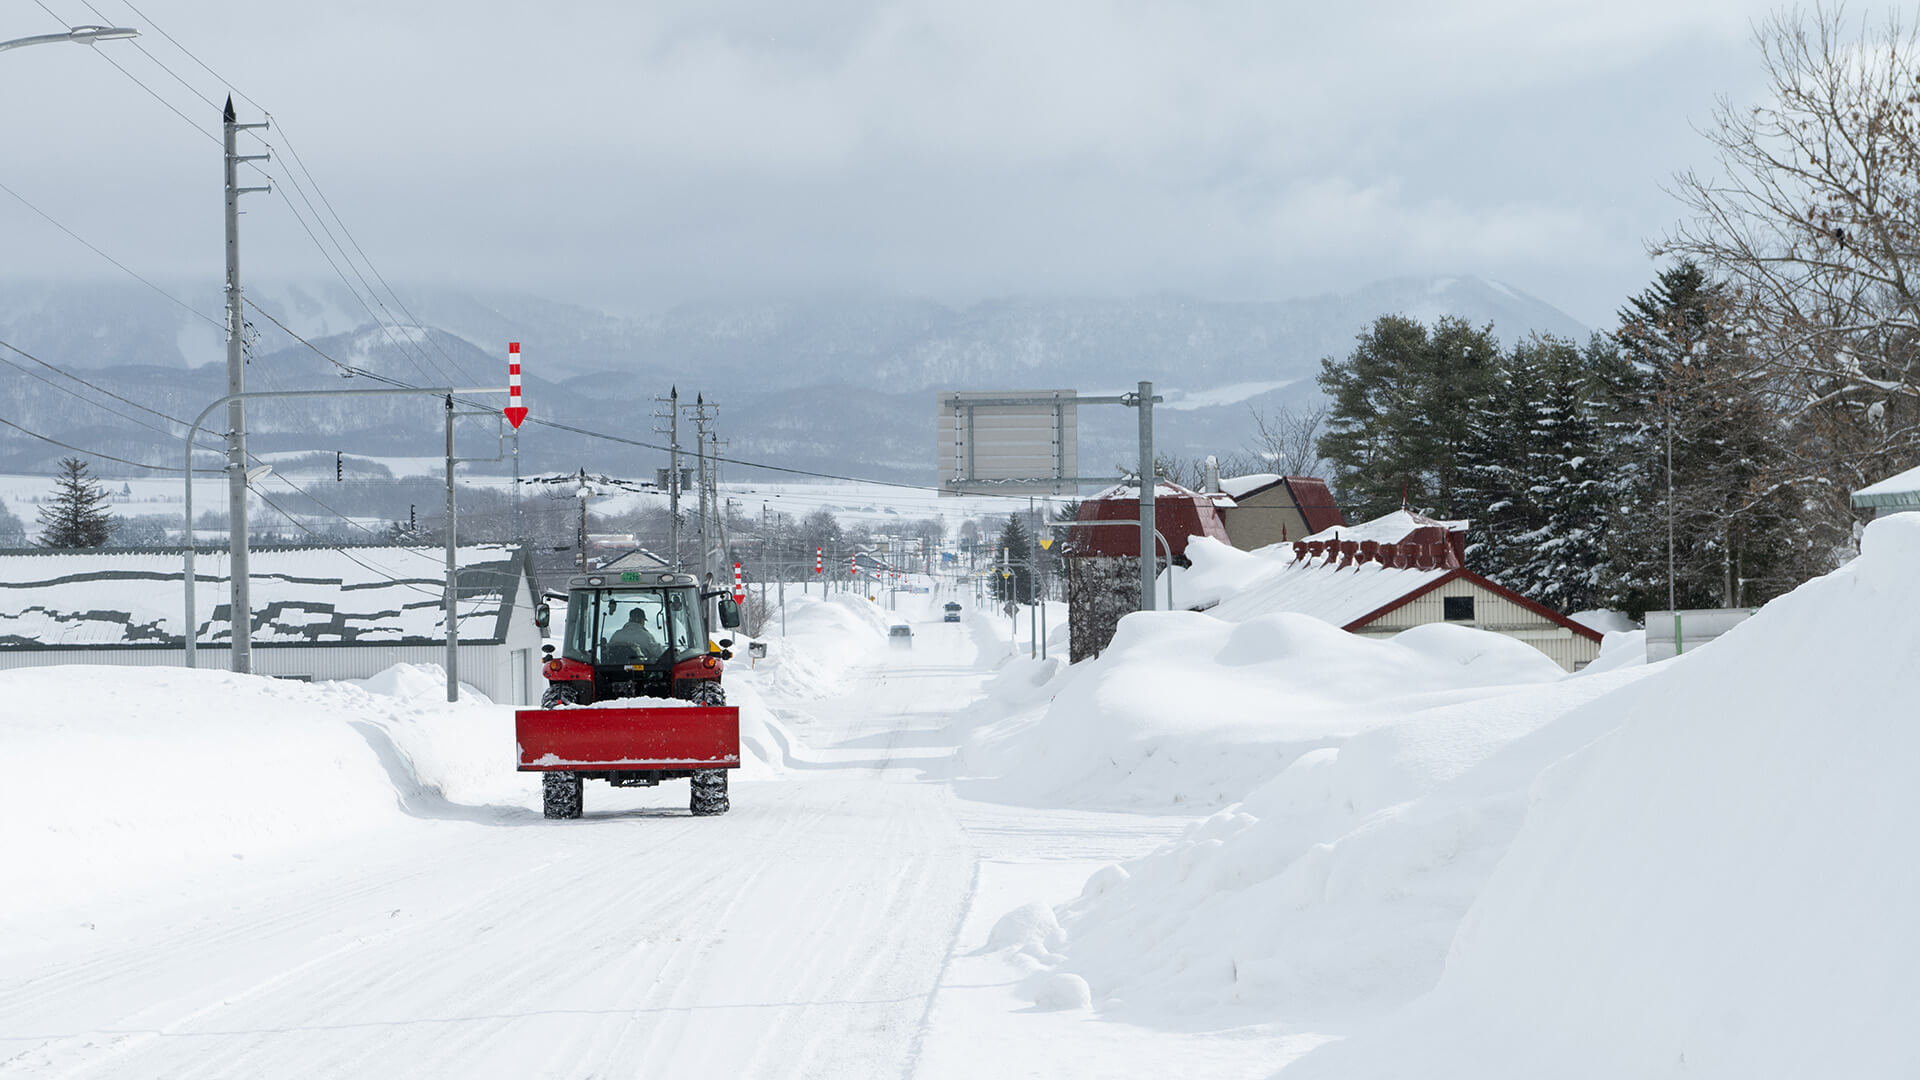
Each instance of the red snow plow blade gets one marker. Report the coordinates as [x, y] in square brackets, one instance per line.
[601, 739]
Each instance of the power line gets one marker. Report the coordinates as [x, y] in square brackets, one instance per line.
[102, 54]
[91, 386]
[122, 266]
[189, 53]
[328, 203]
[98, 454]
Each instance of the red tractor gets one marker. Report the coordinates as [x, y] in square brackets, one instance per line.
[641, 637]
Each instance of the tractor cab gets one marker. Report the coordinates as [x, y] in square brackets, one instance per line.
[638, 634]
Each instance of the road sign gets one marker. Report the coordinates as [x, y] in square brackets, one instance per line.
[1008, 441]
[515, 411]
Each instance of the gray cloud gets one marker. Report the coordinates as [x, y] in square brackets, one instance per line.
[638, 155]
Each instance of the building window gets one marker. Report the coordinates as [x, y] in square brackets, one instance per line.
[1457, 608]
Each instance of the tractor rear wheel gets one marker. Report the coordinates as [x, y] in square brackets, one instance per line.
[560, 794]
[709, 792]
[708, 692]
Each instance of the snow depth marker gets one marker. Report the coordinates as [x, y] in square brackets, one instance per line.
[515, 411]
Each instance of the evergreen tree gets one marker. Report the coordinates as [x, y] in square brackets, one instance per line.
[1404, 403]
[12, 532]
[1016, 542]
[1572, 487]
[1705, 461]
[77, 516]
[1500, 465]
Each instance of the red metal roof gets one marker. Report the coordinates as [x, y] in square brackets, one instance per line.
[1178, 514]
[1315, 502]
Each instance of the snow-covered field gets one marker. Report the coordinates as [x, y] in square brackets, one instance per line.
[1221, 849]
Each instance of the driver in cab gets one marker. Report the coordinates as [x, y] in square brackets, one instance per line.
[634, 641]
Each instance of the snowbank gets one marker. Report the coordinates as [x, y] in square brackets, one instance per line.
[1725, 886]
[118, 774]
[1185, 709]
[1334, 888]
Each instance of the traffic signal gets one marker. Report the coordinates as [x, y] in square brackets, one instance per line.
[339, 469]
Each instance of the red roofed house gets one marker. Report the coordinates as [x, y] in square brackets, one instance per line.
[1397, 572]
[1103, 560]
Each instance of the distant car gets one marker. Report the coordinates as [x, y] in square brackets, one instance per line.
[953, 613]
[900, 635]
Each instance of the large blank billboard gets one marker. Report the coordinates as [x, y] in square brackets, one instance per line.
[1024, 441]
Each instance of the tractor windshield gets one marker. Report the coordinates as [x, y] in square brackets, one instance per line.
[632, 626]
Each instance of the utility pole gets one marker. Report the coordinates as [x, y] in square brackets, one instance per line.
[453, 579]
[1147, 560]
[672, 432]
[583, 492]
[703, 414]
[239, 601]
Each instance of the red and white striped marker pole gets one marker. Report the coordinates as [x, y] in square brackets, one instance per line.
[515, 411]
[854, 561]
[739, 590]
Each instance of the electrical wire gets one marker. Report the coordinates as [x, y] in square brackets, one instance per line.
[554, 425]
[190, 309]
[92, 386]
[98, 454]
[407, 583]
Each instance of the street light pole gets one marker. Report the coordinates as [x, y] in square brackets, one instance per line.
[79, 35]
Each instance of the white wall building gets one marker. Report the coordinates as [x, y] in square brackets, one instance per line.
[318, 613]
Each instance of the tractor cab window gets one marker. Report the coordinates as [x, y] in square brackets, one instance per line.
[683, 622]
[633, 626]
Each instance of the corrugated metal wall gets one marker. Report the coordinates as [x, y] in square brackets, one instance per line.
[1494, 612]
[487, 668]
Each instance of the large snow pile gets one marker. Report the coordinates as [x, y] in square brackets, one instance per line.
[1334, 888]
[1185, 709]
[121, 774]
[1725, 886]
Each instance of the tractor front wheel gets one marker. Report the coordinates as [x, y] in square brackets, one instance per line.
[563, 693]
[709, 792]
[560, 794]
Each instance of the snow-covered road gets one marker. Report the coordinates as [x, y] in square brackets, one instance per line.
[805, 933]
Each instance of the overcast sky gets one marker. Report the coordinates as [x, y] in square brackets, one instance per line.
[632, 155]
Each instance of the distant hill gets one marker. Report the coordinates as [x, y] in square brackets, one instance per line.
[838, 382]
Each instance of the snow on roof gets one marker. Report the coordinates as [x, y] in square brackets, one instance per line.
[1898, 490]
[381, 595]
[1389, 529]
[1241, 486]
[1274, 579]
[1165, 489]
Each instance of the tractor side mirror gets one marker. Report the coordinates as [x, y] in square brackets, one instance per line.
[729, 612]
[542, 615]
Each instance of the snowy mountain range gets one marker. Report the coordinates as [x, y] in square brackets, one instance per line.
[841, 383]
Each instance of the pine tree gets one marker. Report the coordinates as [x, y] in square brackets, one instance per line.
[1498, 467]
[12, 532]
[1562, 563]
[1706, 460]
[1404, 403]
[1016, 542]
[77, 517]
